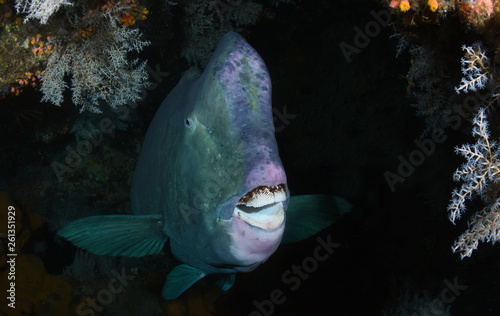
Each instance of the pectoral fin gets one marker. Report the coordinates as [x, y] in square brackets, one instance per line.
[180, 279]
[308, 214]
[117, 235]
[225, 282]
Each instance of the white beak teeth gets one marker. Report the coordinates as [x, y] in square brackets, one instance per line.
[262, 207]
[264, 195]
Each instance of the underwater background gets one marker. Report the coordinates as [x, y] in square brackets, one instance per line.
[370, 98]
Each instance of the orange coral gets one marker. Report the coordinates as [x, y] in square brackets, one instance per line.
[127, 19]
[433, 5]
[404, 6]
[477, 11]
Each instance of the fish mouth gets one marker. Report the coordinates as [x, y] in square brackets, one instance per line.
[263, 206]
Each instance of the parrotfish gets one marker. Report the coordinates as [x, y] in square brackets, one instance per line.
[209, 179]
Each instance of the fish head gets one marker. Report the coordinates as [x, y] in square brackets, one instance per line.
[235, 182]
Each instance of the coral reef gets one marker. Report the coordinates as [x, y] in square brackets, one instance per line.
[433, 30]
[474, 12]
[422, 11]
[39, 9]
[481, 16]
[24, 53]
[97, 61]
[480, 174]
[92, 47]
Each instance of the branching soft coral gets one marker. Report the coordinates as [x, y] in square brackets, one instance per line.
[475, 66]
[39, 9]
[98, 63]
[480, 176]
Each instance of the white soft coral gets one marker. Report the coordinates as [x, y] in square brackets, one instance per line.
[480, 176]
[475, 65]
[39, 9]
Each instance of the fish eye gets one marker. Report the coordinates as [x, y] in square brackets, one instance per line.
[188, 123]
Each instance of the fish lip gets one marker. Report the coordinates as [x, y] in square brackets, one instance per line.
[263, 207]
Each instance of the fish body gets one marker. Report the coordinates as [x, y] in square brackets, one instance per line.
[211, 144]
[209, 179]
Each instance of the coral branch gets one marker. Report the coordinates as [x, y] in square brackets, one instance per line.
[480, 176]
[474, 68]
[39, 9]
[98, 63]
